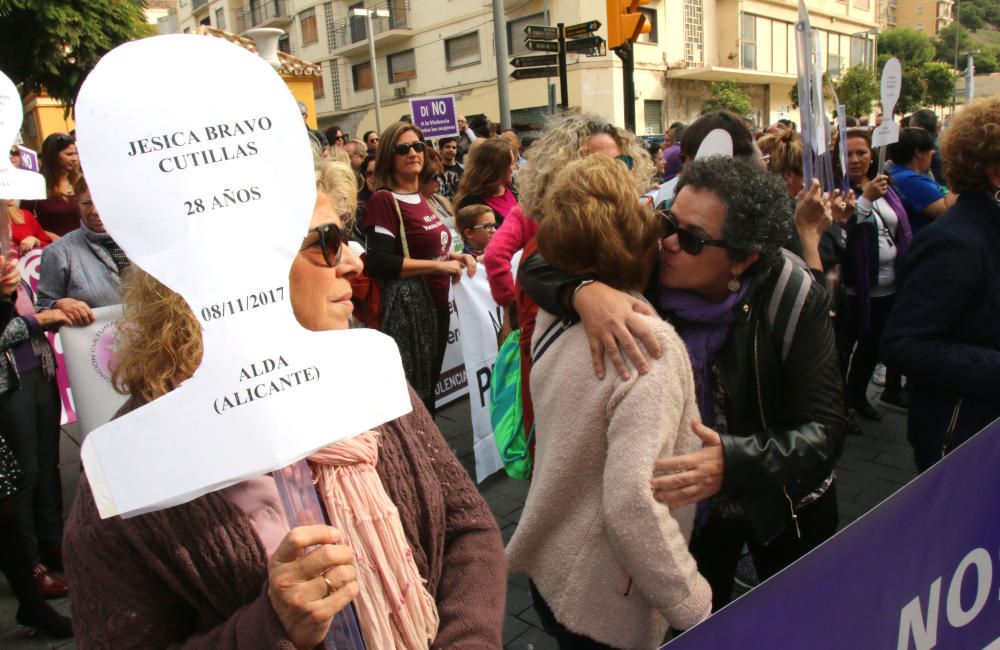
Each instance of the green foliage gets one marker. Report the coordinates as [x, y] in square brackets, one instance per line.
[971, 16]
[857, 89]
[793, 94]
[908, 45]
[939, 83]
[945, 44]
[54, 44]
[911, 94]
[986, 61]
[730, 96]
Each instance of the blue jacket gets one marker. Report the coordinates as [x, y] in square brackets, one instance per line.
[944, 330]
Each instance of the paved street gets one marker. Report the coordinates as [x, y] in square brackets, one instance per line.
[873, 467]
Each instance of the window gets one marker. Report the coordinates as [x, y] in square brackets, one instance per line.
[319, 89]
[359, 29]
[516, 35]
[402, 66]
[920, 10]
[919, 27]
[748, 41]
[462, 50]
[833, 65]
[653, 116]
[307, 24]
[362, 75]
[858, 51]
[285, 44]
[220, 18]
[651, 37]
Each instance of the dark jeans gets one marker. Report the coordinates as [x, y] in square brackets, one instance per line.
[717, 543]
[564, 638]
[29, 419]
[441, 344]
[867, 354]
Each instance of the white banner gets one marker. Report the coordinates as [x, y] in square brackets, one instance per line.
[452, 383]
[480, 320]
[88, 356]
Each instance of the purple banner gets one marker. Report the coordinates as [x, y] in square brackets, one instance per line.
[919, 571]
[435, 116]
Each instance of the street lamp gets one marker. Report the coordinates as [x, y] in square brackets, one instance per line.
[368, 13]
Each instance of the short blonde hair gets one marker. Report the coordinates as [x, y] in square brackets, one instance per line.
[970, 145]
[338, 181]
[596, 225]
[564, 140]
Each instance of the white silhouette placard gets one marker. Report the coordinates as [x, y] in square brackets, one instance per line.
[718, 142]
[198, 159]
[14, 183]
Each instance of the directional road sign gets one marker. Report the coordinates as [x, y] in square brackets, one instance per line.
[535, 73]
[541, 46]
[536, 59]
[543, 32]
[582, 29]
[584, 44]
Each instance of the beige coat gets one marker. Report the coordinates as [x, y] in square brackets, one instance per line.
[611, 562]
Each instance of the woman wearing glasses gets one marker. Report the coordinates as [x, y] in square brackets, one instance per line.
[760, 342]
[429, 570]
[408, 240]
[609, 567]
[59, 213]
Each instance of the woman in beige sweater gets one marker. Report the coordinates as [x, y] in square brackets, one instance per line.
[609, 565]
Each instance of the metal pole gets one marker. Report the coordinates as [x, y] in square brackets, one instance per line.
[958, 31]
[548, 83]
[500, 45]
[628, 82]
[371, 56]
[563, 81]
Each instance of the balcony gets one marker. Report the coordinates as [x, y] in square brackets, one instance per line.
[198, 5]
[261, 13]
[349, 36]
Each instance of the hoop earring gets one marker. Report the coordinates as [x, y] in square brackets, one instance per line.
[734, 284]
[996, 196]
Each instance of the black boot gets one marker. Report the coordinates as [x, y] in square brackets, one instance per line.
[16, 566]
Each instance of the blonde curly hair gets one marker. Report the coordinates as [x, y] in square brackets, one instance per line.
[564, 140]
[158, 343]
[970, 145]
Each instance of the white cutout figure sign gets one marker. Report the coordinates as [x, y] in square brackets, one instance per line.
[14, 183]
[718, 142]
[888, 132]
[196, 154]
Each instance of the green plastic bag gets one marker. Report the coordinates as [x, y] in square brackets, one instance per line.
[507, 412]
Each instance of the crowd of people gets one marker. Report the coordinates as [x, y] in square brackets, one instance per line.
[698, 338]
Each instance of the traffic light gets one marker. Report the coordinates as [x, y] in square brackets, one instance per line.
[625, 22]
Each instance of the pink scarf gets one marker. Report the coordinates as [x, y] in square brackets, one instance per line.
[395, 610]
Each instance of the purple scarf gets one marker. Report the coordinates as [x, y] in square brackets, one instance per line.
[704, 326]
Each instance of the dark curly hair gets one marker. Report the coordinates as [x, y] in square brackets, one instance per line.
[758, 215]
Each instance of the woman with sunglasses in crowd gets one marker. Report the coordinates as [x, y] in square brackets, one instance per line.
[431, 179]
[758, 333]
[427, 567]
[58, 213]
[407, 239]
[489, 170]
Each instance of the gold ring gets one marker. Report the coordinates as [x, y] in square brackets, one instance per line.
[329, 587]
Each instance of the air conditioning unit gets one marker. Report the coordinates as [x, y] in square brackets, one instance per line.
[400, 91]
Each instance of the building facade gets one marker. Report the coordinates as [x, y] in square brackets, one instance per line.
[926, 16]
[446, 47]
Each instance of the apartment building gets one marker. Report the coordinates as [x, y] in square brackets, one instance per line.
[926, 16]
[446, 47]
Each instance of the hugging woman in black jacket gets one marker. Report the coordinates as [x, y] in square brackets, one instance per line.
[944, 329]
[760, 340]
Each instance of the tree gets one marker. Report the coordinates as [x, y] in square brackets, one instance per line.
[793, 94]
[971, 16]
[986, 61]
[908, 45]
[939, 81]
[857, 89]
[945, 44]
[54, 44]
[730, 96]
[911, 92]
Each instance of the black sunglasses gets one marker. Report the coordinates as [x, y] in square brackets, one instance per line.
[690, 243]
[331, 241]
[403, 149]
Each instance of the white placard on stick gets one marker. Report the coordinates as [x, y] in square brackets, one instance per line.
[892, 83]
[200, 164]
[718, 142]
[14, 183]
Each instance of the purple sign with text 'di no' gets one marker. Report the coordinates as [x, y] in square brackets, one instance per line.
[920, 571]
[435, 116]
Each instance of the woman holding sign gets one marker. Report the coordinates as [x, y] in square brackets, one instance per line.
[410, 254]
[225, 571]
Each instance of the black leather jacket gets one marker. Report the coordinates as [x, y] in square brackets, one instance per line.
[784, 400]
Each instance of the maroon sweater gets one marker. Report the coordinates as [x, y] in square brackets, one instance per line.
[196, 575]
